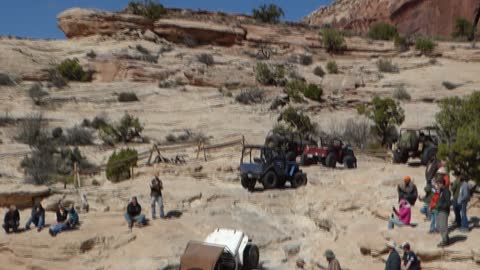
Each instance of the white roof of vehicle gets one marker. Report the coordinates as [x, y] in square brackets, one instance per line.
[231, 239]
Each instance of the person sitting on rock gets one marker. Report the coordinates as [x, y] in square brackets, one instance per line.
[134, 213]
[410, 260]
[402, 216]
[333, 263]
[393, 261]
[408, 191]
[11, 221]
[72, 221]
[61, 213]
[37, 217]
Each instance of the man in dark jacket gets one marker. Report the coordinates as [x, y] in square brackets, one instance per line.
[393, 262]
[61, 213]
[410, 259]
[443, 208]
[156, 187]
[134, 213]
[37, 217]
[11, 220]
[408, 191]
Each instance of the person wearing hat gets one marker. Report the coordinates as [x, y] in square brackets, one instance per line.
[408, 191]
[443, 173]
[393, 261]
[402, 216]
[37, 217]
[410, 260]
[333, 263]
[443, 208]
[11, 221]
[134, 213]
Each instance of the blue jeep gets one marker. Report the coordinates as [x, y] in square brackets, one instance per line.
[269, 167]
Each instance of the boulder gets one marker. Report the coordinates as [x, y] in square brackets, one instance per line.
[77, 22]
[21, 195]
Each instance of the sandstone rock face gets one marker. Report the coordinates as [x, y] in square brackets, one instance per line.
[426, 17]
[78, 22]
[21, 195]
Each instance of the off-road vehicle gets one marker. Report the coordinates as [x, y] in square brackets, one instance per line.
[329, 154]
[416, 143]
[271, 167]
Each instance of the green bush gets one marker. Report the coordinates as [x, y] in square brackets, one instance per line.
[401, 43]
[72, 70]
[305, 60]
[333, 41]
[119, 164]
[313, 92]
[319, 71]
[400, 93]
[296, 88]
[298, 121]
[126, 130]
[251, 96]
[57, 133]
[149, 9]
[385, 113]
[387, 66]
[332, 67]
[127, 97]
[268, 14]
[79, 136]
[425, 45]
[463, 28]
[382, 31]
[269, 74]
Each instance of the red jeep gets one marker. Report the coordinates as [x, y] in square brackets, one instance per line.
[329, 155]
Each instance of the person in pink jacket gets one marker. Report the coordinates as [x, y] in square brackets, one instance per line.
[402, 216]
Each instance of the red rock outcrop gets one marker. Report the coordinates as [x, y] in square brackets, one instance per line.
[21, 195]
[427, 17]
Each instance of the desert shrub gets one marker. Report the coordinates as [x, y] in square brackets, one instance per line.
[32, 130]
[425, 45]
[251, 96]
[73, 71]
[206, 59]
[95, 183]
[387, 66]
[126, 130]
[400, 93]
[97, 123]
[385, 113]
[67, 158]
[119, 164]
[149, 9]
[450, 85]
[127, 97]
[186, 136]
[6, 119]
[146, 55]
[463, 28]
[79, 136]
[268, 14]
[39, 167]
[91, 54]
[305, 60]
[36, 93]
[295, 89]
[333, 41]
[382, 31]
[56, 78]
[332, 67]
[299, 121]
[6, 80]
[269, 74]
[190, 41]
[319, 71]
[357, 132]
[401, 43]
[313, 92]
[57, 133]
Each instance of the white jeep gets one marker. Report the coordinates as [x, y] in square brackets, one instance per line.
[223, 249]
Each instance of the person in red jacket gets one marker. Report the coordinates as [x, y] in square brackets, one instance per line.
[433, 203]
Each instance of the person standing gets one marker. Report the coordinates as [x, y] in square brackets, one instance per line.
[393, 261]
[37, 217]
[443, 208]
[11, 221]
[410, 260]
[333, 263]
[408, 191]
[156, 187]
[455, 191]
[429, 191]
[463, 199]
[433, 210]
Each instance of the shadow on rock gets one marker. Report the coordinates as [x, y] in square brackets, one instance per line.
[174, 214]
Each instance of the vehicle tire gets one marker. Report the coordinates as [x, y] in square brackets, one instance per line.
[428, 154]
[400, 157]
[297, 180]
[270, 180]
[349, 162]
[331, 160]
[251, 257]
[247, 183]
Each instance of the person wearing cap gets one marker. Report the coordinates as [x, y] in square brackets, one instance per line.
[11, 221]
[402, 216]
[156, 187]
[37, 217]
[443, 173]
[443, 208]
[408, 191]
[134, 213]
[410, 260]
[393, 261]
[333, 263]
